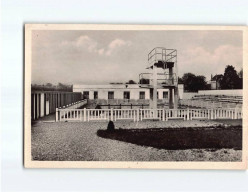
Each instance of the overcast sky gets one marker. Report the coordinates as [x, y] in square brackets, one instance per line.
[101, 57]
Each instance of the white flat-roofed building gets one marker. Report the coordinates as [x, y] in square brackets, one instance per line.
[121, 91]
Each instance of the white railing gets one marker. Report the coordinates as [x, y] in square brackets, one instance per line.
[125, 114]
[69, 110]
[75, 105]
[70, 114]
[177, 114]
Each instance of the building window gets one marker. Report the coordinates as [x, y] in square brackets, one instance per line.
[165, 94]
[126, 95]
[86, 95]
[95, 94]
[142, 95]
[110, 95]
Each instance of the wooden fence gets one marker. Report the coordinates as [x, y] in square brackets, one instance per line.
[72, 114]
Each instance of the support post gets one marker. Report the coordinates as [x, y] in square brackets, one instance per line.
[57, 115]
[154, 106]
[111, 114]
[187, 114]
[171, 90]
[137, 115]
[170, 98]
[175, 98]
[84, 114]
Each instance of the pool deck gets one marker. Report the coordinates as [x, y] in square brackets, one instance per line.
[78, 141]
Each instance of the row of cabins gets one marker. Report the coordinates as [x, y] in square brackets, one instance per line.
[45, 102]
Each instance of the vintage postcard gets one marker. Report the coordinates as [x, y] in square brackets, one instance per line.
[135, 96]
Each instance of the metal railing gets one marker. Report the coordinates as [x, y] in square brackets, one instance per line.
[162, 54]
[165, 79]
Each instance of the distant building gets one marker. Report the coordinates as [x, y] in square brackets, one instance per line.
[215, 81]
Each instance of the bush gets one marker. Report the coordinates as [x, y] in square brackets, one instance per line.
[98, 107]
[111, 126]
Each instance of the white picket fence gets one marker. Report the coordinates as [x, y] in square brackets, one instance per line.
[70, 114]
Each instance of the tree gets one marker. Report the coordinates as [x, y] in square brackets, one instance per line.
[131, 82]
[231, 79]
[51, 87]
[180, 80]
[200, 83]
[188, 81]
[241, 73]
[193, 83]
[241, 78]
[144, 81]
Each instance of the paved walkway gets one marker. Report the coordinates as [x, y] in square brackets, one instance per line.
[79, 141]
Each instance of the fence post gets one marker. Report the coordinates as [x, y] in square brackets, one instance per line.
[111, 114]
[235, 113]
[163, 118]
[57, 115]
[137, 115]
[84, 114]
[187, 113]
[89, 112]
[80, 114]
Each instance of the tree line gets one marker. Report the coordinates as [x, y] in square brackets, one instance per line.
[51, 87]
[231, 79]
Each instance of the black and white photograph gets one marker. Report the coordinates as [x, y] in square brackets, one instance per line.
[135, 96]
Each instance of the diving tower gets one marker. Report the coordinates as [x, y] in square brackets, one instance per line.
[162, 67]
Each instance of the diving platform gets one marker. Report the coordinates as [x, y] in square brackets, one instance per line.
[162, 67]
